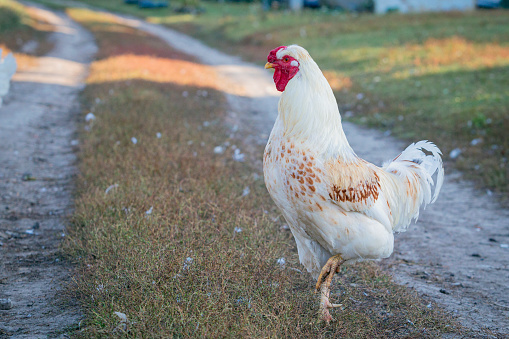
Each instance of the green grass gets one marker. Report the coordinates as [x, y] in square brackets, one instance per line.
[137, 263]
[12, 16]
[441, 76]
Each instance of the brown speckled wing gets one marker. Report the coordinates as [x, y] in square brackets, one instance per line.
[355, 186]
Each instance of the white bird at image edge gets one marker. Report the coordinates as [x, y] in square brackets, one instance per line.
[7, 69]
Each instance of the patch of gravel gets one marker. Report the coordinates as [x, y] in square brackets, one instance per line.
[37, 125]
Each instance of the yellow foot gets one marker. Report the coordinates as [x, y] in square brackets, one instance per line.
[325, 304]
[331, 267]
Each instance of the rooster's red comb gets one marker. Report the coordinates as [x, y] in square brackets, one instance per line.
[272, 55]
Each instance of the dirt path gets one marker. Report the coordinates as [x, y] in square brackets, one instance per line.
[456, 254]
[37, 123]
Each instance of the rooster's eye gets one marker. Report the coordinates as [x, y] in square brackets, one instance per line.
[286, 59]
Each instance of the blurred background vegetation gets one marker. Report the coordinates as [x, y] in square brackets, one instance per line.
[22, 32]
[439, 76]
[442, 76]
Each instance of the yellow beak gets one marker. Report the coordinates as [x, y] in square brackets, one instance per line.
[269, 65]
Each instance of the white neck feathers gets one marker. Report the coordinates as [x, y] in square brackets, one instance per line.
[309, 111]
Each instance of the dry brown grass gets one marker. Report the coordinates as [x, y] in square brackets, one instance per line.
[203, 263]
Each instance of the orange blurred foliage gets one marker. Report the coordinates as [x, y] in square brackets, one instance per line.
[150, 68]
[458, 50]
[436, 53]
[338, 81]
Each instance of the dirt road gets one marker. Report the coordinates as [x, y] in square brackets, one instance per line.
[37, 126]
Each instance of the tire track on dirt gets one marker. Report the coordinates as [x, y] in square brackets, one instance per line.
[37, 125]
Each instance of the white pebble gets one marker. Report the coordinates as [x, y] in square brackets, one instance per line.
[476, 141]
[134, 140]
[89, 117]
[246, 191]
[455, 153]
[187, 263]
[219, 150]
[237, 156]
[122, 316]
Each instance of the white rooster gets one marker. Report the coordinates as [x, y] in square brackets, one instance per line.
[340, 208]
[7, 69]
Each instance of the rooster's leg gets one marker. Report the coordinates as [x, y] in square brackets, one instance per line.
[331, 267]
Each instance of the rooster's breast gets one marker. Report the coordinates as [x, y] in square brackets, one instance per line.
[294, 176]
[297, 182]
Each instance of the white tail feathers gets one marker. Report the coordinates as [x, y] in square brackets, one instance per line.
[431, 162]
[415, 167]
